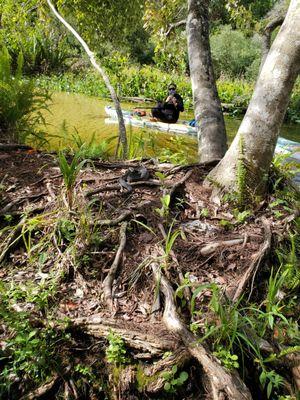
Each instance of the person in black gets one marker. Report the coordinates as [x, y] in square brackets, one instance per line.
[169, 110]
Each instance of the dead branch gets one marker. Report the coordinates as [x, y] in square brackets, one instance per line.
[222, 382]
[108, 281]
[251, 271]
[152, 340]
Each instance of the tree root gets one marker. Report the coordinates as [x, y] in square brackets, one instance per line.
[11, 147]
[42, 390]
[20, 200]
[118, 187]
[212, 247]
[108, 281]
[223, 384]
[122, 217]
[179, 357]
[11, 238]
[178, 184]
[251, 271]
[139, 337]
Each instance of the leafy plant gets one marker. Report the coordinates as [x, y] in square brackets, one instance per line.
[165, 203]
[173, 383]
[28, 354]
[230, 361]
[70, 172]
[21, 103]
[270, 379]
[116, 351]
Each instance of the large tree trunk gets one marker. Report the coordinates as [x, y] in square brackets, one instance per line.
[255, 142]
[122, 129]
[208, 111]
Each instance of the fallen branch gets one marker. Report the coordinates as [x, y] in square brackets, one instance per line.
[223, 383]
[251, 271]
[108, 281]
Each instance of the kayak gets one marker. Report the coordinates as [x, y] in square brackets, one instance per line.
[283, 145]
[145, 122]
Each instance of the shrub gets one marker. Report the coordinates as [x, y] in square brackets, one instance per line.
[232, 52]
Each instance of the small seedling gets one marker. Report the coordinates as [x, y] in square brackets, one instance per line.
[172, 384]
[116, 351]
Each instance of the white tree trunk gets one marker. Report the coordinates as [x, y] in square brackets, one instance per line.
[208, 112]
[122, 129]
[259, 129]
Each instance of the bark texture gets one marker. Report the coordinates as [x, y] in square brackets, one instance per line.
[258, 133]
[122, 129]
[207, 105]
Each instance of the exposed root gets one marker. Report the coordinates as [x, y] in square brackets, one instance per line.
[42, 390]
[212, 247]
[224, 384]
[139, 338]
[179, 357]
[118, 187]
[20, 200]
[108, 281]
[186, 290]
[251, 271]
[11, 238]
[178, 184]
[123, 216]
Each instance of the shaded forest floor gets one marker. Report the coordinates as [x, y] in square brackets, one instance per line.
[75, 275]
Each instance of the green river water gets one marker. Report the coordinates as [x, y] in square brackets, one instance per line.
[74, 115]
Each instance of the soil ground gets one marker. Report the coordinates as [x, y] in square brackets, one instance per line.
[32, 185]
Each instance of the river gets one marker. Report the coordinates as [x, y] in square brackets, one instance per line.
[76, 115]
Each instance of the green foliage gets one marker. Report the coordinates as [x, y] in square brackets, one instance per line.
[28, 28]
[116, 351]
[66, 230]
[28, 354]
[165, 203]
[232, 52]
[172, 383]
[230, 361]
[272, 380]
[70, 171]
[20, 102]
[150, 82]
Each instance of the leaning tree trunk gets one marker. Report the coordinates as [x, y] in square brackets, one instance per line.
[255, 142]
[207, 105]
[122, 129]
